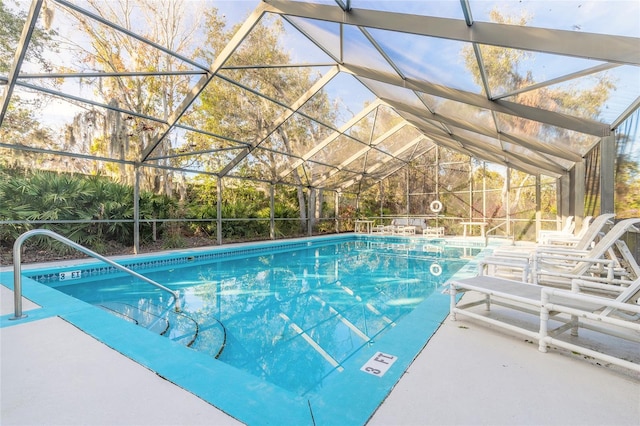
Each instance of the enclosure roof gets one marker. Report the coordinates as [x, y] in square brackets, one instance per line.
[331, 94]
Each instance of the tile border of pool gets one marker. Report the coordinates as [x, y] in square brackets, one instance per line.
[245, 397]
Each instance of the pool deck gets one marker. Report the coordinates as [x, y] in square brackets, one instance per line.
[53, 373]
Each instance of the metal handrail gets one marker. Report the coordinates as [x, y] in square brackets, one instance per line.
[17, 276]
[501, 224]
[497, 226]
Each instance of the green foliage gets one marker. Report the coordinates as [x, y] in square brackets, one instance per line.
[627, 187]
[100, 203]
[241, 199]
[46, 196]
[244, 201]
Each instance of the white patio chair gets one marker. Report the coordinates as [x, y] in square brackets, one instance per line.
[617, 314]
[555, 267]
[566, 231]
[405, 230]
[433, 232]
[571, 239]
[517, 264]
[583, 241]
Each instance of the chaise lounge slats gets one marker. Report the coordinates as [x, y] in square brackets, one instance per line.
[552, 265]
[615, 311]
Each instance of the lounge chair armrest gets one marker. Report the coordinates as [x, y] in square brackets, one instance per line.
[610, 279]
[559, 250]
[554, 257]
[580, 284]
[563, 270]
[558, 241]
[514, 261]
[514, 254]
[549, 293]
[513, 265]
[584, 279]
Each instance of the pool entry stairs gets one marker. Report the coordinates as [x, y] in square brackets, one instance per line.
[176, 326]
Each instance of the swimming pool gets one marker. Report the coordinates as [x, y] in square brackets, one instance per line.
[315, 330]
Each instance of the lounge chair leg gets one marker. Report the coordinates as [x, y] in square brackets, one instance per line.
[487, 302]
[574, 329]
[544, 323]
[534, 269]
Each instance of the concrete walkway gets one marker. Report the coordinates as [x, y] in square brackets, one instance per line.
[53, 373]
[469, 374]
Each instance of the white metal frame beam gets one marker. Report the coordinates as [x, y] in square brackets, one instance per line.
[282, 118]
[332, 137]
[224, 55]
[565, 121]
[361, 152]
[529, 143]
[21, 51]
[602, 47]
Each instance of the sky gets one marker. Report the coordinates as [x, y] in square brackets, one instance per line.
[436, 60]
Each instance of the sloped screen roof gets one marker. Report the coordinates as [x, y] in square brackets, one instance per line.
[331, 94]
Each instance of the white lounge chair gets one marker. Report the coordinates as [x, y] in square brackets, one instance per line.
[550, 267]
[617, 315]
[433, 232]
[397, 226]
[407, 226]
[583, 241]
[571, 239]
[588, 236]
[566, 231]
[554, 265]
[378, 229]
[515, 262]
[404, 230]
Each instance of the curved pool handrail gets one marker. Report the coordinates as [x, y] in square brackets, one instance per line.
[17, 260]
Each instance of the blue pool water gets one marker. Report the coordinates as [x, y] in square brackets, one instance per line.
[304, 318]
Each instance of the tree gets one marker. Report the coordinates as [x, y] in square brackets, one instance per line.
[628, 189]
[503, 71]
[10, 31]
[243, 118]
[20, 122]
[124, 136]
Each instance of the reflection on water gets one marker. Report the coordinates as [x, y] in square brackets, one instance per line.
[290, 317]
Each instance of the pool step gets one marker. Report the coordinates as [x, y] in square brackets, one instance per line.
[131, 313]
[166, 322]
[183, 330]
[212, 338]
[209, 338]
